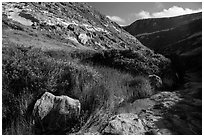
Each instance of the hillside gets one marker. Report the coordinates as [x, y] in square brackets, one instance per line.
[179, 38]
[158, 24]
[161, 34]
[74, 25]
[68, 69]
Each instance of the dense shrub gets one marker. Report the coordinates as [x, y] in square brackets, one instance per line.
[100, 82]
[28, 73]
[139, 62]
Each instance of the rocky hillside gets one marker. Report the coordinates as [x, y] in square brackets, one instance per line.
[67, 69]
[75, 25]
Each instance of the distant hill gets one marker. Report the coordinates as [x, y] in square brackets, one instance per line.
[175, 36]
[156, 24]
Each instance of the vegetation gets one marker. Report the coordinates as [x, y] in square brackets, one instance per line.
[141, 62]
[28, 73]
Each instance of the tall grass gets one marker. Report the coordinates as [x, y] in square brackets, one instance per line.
[122, 88]
[101, 89]
[28, 73]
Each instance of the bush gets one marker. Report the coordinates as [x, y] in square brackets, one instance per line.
[139, 62]
[28, 73]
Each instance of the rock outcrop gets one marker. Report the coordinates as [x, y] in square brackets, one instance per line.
[155, 81]
[124, 124]
[165, 113]
[53, 113]
[173, 113]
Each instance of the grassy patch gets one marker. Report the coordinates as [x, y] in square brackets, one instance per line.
[100, 80]
[28, 73]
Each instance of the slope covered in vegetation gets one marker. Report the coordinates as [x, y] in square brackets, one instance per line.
[71, 49]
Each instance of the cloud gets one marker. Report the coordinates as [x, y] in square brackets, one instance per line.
[143, 14]
[159, 5]
[173, 11]
[116, 19]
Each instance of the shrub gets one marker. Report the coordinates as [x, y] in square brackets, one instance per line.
[28, 73]
[139, 62]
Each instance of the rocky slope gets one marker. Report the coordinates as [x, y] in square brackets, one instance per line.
[75, 25]
[56, 56]
[167, 113]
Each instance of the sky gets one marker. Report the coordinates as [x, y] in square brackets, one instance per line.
[125, 13]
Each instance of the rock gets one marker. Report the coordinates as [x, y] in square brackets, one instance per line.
[155, 81]
[83, 38]
[136, 107]
[124, 124]
[166, 96]
[54, 113]
[44, 105]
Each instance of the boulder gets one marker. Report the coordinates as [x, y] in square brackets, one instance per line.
[54, 113]
[83, 38]
[44, 105]
[124, 124]
[156, 81]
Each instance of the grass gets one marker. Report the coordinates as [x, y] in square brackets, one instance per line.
[29, 72]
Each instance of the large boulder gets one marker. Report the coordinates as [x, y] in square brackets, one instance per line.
[54, 113]
[124, 124]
